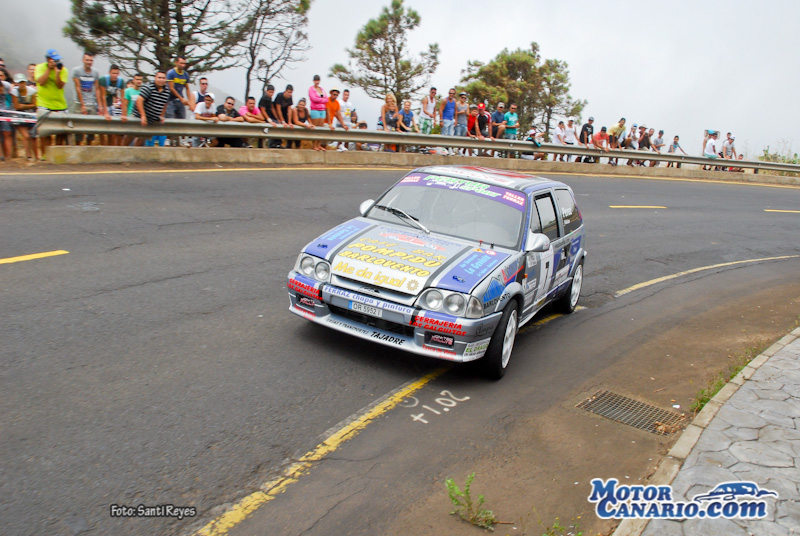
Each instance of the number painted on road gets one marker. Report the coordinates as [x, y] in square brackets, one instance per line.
[446, 400]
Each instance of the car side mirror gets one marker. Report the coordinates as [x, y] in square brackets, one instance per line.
[537, 243]
[364, 207]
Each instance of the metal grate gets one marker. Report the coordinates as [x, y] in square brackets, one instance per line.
[633, 413]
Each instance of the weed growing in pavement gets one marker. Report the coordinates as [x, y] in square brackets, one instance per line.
[739, 361]
[557, 529]
[468, 509]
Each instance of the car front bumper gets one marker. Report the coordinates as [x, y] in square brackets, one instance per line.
[410, 329]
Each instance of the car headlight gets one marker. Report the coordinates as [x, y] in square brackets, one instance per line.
[453, 303]
[307, 265]
[433, 300]
[314, 267]
[323, 271]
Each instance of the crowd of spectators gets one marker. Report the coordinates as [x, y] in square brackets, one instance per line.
[41, 89]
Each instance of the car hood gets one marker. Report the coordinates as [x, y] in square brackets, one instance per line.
[402, 259]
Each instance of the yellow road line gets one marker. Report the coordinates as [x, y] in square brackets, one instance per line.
[789, 211]
[245, 507]
[695, 270]
[33, 256]
[546, 319]
[677, 179]
[635, 206]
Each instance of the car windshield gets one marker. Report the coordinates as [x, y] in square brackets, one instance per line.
[455, 207]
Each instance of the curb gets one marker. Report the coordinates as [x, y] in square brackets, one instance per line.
[672, 463]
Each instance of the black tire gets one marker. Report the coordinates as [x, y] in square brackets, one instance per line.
[498, 354]
[569, 301]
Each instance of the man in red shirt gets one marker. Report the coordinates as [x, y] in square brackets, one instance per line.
[600, 141]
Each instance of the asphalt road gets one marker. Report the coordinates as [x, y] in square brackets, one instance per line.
[156, 362]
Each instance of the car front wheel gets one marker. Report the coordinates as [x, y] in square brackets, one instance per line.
[499, 352]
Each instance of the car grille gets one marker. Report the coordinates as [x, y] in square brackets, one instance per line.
[394, 327]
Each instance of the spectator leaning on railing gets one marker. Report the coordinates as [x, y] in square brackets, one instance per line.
[151, 105]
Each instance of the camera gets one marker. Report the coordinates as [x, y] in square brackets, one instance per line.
[59, 65]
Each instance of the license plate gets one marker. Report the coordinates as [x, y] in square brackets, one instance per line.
[366, 309]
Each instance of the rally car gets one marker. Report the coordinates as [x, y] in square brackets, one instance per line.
[447, 263]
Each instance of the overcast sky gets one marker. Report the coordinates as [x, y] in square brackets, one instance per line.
[681, 66]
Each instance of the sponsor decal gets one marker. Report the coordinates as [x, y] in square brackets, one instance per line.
[729, 500]
[477, 349]
[477, 173]
[510, 271]
[400, 237]
[412, 285]
[515, 198]
[493, 293]
[412, 178]
[435, 324]
[308, 302]
[304, 288]
[388, 338]
[345, 325]
[471, 271]
[499, 194]
[436, 338]
[304, 313]
[441, 352]
[367, 300]
[484, 329]
[334, 237]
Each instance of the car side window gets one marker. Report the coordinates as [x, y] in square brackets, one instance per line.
[569, 211]
[548, 223]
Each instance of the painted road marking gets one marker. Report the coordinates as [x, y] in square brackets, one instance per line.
[634, 206]
[545, 320]
[443, 401]
[786, 211]
[209, 170]
[695, 270]
[33, 256]
[351, 427]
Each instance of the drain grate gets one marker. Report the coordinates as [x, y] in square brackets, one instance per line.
[633, 413]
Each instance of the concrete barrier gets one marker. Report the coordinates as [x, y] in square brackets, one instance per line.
[300, 157]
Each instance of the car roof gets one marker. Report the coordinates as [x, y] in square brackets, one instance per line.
[498, 177]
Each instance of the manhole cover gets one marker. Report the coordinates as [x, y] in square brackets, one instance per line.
[633, 413]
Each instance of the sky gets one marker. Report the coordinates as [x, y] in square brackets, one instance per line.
[680, 66]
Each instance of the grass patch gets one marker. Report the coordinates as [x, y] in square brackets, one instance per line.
[738, 362]
[466, 507]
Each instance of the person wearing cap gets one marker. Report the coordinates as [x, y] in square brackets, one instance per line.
[51, 77]
[23, 98]
[499, 121]
[587, 131]
[205, 110]
[429, 111]
[656, 143]
[728, 148]
[710, 148]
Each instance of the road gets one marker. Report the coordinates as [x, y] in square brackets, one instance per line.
[156, 363]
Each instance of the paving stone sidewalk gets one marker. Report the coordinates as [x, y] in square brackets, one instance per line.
[754, 436]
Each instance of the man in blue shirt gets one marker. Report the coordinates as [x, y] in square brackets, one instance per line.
[499, 123]
[178, 85]
[512, 119]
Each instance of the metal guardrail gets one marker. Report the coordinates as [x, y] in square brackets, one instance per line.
[83, 124]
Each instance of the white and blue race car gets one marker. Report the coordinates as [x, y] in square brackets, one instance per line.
[448, 263]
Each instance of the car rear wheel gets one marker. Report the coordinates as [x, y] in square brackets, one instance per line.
[569, 301]
[498, 354]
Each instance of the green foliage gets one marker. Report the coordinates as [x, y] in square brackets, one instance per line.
[735, 366]
[557, 529]
[783, 154]
[147, 35]
[380, 63]
[540, 90]
[465, 506]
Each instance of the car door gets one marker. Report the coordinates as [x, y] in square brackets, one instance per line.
[541, 267]
[572, 232]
